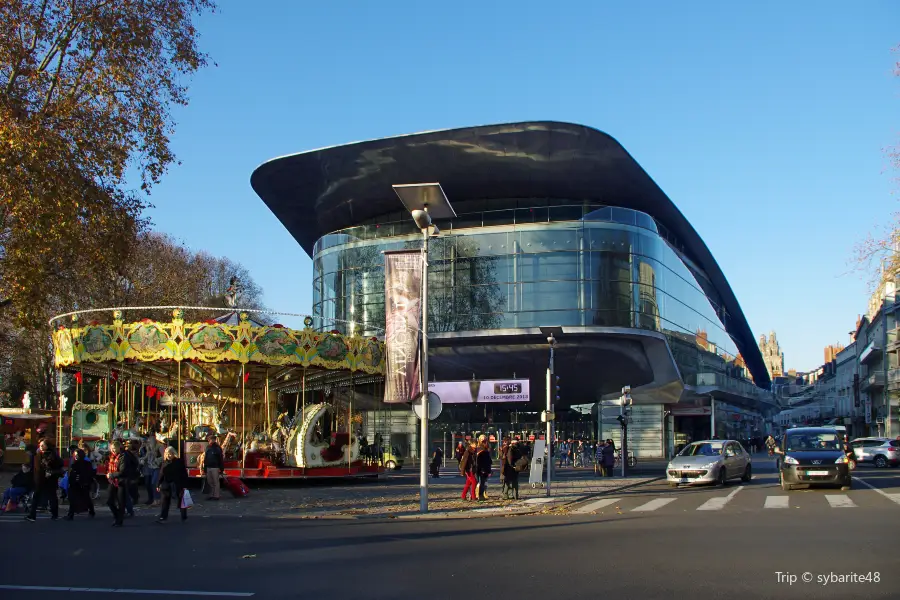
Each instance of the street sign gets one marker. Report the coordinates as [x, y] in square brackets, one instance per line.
[536, 475]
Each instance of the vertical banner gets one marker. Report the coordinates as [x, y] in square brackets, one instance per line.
[403, 320]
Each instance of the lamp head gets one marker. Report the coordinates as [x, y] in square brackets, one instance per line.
[421, 218]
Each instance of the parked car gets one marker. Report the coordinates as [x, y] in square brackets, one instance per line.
[812, 456]
[393, 460]
[709, 461]
[881, 452]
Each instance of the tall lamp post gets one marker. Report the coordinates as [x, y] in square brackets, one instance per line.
[424, 201]
[552, 333]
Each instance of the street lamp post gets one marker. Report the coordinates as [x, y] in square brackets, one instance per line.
[552, 333]
[424, 201]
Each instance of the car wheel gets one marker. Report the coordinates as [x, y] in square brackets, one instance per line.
[785, 486]
[723, 477]
[390, 465]
[880, 462]
[748, 475]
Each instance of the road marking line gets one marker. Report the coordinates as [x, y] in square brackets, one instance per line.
[840, 501]
[653, 505]
[777, 502]
[719, 502]
[588, 508]
[891, 497]
[40, 588]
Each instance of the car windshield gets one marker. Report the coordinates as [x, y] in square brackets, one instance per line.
[811, 442]
[702, 449]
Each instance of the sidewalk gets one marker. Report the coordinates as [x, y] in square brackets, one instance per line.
[395, 496]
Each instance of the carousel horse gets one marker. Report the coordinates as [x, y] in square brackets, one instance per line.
[229, 444]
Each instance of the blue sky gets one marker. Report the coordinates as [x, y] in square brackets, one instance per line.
[764, 123]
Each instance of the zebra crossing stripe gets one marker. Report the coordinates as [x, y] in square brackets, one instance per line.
[891, 497]
[589, 508]
[653, 505]
[840, 501]
[777, 502]
[719, 502]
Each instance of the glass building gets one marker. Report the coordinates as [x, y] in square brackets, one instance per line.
[556, 226]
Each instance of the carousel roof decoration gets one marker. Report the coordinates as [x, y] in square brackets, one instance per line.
[216, 353]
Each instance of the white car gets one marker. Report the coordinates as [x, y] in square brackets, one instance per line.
[709, 461]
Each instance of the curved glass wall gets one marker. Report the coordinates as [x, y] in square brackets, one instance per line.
[607, 266]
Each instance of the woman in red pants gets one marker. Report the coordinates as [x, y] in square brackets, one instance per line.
[467, 470]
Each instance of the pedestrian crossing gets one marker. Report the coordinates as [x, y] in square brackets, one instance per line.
[676, 503]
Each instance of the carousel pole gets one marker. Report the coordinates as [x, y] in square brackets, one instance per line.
[243, 418]
[350, 425]
[178, 413]
[268, 418]
[303, 405]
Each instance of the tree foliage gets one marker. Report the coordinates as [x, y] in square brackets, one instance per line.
[159, 272]
[86, 89]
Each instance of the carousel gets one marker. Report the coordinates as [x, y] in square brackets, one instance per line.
[283, 403]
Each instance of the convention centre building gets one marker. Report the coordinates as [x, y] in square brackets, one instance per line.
[556, 226]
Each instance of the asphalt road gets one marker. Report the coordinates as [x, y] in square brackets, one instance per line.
[733, 548]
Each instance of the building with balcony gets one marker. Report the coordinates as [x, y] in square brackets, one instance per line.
[556, 225]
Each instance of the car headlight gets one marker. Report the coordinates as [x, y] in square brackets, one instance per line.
[670, 466]
[789, 460]
[841, 460]
[711, 465]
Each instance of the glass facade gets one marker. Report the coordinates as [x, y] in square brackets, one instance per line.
[576, 265]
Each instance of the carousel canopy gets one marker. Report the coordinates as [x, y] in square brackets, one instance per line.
[222, 353]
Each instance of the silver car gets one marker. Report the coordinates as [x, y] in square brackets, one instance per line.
[881, 452]
[709, 461]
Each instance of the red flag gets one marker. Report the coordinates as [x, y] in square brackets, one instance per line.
[79, 377]
[246, 376]
[151, 391]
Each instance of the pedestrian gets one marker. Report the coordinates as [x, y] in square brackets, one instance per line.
[48, 468]
[437, 457]
[483, 465]
[770, 445]
[22, 483]
[117, 473]
[81, 479]
[609, 457]
[213, 463]
[173, 480]
[509, 467]
[151, 461]
[467, 470]
[458, 454]
[599, 465]
[504, 449]
[133, 484]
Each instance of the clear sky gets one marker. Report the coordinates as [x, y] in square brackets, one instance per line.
[764, 123]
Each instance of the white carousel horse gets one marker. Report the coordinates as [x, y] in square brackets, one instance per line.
[307, 448]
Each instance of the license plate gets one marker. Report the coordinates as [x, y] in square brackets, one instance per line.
[818, 473]
[683, 480]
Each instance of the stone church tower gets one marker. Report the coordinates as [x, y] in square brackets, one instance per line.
[772, 355]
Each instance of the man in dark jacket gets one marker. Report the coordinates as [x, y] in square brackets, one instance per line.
[213, 463]
[173, 480]
[81, 478]
[513, 454]
[48, 468]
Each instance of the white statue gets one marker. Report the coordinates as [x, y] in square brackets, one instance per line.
[26, 401]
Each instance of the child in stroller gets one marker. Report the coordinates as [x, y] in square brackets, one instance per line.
[19, 490]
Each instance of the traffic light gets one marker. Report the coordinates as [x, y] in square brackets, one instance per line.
[557, 388]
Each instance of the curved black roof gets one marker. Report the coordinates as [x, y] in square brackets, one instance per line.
[317, 192]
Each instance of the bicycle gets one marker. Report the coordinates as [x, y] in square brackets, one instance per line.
[632, 460]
